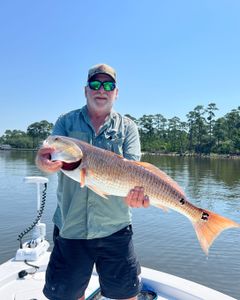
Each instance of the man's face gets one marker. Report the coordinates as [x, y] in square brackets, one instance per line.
[100, 102]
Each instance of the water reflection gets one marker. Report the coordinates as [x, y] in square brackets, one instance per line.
[223, 169]
[13, 155]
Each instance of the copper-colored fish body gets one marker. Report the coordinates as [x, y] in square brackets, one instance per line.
[107, 173]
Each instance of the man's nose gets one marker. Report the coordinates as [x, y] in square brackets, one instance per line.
[101, 89]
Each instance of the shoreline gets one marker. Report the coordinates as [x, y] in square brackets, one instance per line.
[17, 149]
[157, 153]
[195, 155]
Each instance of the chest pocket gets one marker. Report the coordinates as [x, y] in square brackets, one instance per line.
[111, 141]
[82, 136]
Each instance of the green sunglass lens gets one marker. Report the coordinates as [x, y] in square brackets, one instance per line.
[95, 85]
[108, 86]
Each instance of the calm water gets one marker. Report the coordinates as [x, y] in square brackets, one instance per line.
[163, 241]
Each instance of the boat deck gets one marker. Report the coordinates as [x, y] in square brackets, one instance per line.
[167, 287]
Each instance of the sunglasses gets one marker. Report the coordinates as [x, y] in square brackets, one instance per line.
[107, 85]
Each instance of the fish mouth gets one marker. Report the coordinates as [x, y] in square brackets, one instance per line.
[71, 166]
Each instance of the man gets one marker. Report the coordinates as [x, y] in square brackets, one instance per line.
[93, 230]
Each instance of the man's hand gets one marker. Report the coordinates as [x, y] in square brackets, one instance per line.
[136, 197]
[44, 163]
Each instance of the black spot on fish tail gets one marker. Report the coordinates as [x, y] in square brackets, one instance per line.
[182, 201]
[205, 216]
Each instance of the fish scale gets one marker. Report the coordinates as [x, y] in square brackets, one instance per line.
[120, 185]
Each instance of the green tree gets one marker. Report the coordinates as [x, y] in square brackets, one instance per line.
[173, 130]
[146, 124]
[16, 138]
[39, 131]
[197, 129]
[191, 130]
[233, 129]
[176, 135]
[219, 132]
[160, 124]
[210, 119]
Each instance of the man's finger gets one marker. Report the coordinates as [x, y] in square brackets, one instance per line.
[146, 201]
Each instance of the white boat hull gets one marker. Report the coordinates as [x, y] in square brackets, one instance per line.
[166, 286]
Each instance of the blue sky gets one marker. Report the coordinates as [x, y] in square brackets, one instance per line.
[170, 56]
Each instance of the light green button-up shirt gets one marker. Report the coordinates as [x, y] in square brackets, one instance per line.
[81, 213]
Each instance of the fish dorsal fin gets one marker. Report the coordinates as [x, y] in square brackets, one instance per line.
[148, 166]
[161, 174]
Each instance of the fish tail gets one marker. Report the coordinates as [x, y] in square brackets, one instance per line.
[210, 226]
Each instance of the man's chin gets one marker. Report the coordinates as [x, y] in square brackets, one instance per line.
[101, 104]
[101, 107]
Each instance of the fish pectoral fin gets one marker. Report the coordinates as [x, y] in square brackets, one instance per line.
[98, 191]
[83, 173]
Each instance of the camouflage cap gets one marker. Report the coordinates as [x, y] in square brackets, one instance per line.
[102, 69]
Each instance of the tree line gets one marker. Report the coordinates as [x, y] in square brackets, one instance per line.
[201, 133]
[35, 134]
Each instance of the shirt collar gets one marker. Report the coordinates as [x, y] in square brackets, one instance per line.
[110, 123]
